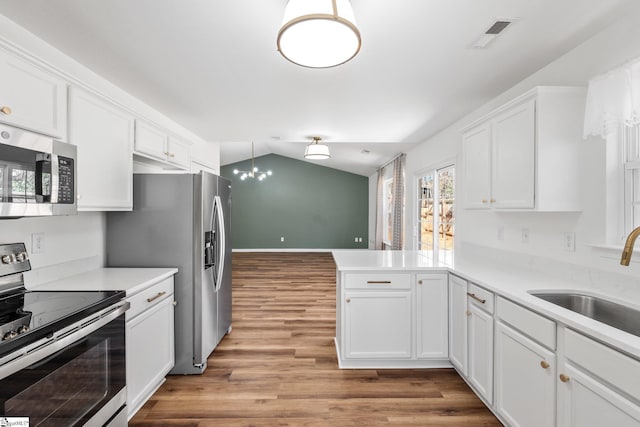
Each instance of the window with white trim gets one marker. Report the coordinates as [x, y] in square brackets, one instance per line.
[436, 219]
[630, 139]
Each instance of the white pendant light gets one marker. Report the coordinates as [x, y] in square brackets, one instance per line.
[319, 33]
[317, 151]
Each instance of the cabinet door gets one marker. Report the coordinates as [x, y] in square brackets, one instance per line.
[480, 357]
[150, 352]
[513, 165]
[432, 315]
[525, 380]
[476, 146]
[32, 98]
[179, 153]
[150, 140]
[587, 402]
[103, 134]
[378, 325]
[458, 323]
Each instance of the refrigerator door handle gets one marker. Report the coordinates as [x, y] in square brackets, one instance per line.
[221, 247]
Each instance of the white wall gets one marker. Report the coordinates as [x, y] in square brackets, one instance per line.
[66, 238]
[618, 43]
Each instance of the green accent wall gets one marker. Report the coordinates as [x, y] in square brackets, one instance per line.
[311, 206]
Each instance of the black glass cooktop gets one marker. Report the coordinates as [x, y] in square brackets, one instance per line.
[27, 316]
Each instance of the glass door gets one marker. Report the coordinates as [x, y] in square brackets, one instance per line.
[436, 219]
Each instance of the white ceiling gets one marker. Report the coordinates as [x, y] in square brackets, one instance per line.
[212, 66]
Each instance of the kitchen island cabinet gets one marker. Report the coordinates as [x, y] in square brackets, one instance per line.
[393, 318]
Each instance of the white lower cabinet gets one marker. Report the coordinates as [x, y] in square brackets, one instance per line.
[458, 323]
[392, 319]
[471, 334]
[150, 342]
[597, 385]
[378, 325]
[589, 402]
[525, 379]
[480, 351]
[432, 316]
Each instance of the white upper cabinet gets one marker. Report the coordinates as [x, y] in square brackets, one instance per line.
[525, 154]
[150, 140]
[31, 98]
[477, 154]
[179, 153]
[514, 157]
[103, 134]
[155, 145]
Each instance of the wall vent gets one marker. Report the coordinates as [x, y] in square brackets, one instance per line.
[498, 27]
[492, 32]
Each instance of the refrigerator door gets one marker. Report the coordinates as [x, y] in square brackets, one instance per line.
[205, 268]
[223, 283]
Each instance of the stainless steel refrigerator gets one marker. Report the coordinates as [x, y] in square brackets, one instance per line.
[182, 220]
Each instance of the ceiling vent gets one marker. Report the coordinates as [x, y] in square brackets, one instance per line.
[494, 30]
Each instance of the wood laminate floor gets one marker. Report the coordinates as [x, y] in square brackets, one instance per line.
[278, 366]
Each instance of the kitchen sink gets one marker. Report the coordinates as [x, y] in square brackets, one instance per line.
[616, 315]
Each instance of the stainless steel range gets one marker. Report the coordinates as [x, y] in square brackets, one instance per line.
[62, 354]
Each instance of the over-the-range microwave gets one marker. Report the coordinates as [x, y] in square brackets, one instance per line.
[37, 175]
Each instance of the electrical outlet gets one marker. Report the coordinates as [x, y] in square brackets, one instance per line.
[525, 235]
[359, 239]
[37, 243]
[569, 242]
[282, 238]
[500, 232]
[356, 239]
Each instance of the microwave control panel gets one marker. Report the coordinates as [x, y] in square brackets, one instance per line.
[66, 192]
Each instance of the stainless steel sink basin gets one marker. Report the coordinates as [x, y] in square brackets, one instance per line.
[619, 316]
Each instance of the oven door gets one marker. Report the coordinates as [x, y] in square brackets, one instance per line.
[82, 383]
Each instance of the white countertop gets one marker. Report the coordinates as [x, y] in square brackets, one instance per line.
[130, 280]
[513, 282]
[382, 260]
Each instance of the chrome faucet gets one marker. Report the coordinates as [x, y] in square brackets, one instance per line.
[628, 246]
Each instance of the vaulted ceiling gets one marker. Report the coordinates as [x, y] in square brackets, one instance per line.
[212, 66]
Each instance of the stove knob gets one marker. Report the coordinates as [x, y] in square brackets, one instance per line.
[21, 256]
[6, 259]
[23, 329]
[9, 335]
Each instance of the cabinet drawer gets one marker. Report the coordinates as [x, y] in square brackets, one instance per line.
[619, 370]
[377, 281]
[149, 297]
[480, 297]
[526, 321]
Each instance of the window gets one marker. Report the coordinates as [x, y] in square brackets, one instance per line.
[630, 138]
[390, 201]
[436, 220]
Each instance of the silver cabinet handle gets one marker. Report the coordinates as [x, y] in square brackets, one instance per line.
[480, 300]
[378, 282]
[156, 297]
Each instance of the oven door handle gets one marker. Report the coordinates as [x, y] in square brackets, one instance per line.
[53, 345]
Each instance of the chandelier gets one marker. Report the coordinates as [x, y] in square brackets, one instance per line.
[254, 172]
[317, 151]
[319, 34]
